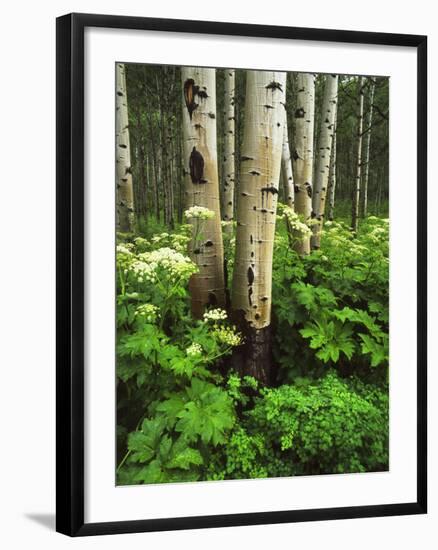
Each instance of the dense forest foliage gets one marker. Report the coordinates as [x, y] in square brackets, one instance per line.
[252, 274]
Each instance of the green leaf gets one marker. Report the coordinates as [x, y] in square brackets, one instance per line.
[207, 416]
[152, 473]
[141, 445]
[171, 408]
[184, 457]
[378, 352]
[145, 443]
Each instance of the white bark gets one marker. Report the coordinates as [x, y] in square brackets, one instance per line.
[332, 178]
[257, 196]
[286, 164]
[229, 147]
[367, 150]
[356, 191]
[303, 152]
[322, 167]
[125, 194]
[202, 186]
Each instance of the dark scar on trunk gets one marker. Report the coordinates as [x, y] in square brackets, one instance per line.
[274, 86]
[250, 275]
[249, 295]
[299, 113]
[272, 190]
[190, 90]
[212, 299]
[196, 165]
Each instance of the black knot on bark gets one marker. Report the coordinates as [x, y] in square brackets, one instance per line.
[250, 275]
[196, 165]
[274, 86]
[190, 90]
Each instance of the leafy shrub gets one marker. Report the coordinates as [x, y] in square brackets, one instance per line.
[332, 307]
[312, 427]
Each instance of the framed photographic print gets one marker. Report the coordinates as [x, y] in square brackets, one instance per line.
[241, 274]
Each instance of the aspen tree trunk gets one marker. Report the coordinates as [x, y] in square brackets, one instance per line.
[322, 168]
[286, 165]
[332, 178]
[229, 172]
[202, 186]
[256, 216]
[125, 193]
[367, 151]
[356, 190]
[303, 153]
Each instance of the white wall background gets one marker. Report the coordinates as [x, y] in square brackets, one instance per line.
[27, 289]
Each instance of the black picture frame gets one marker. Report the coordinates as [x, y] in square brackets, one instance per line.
[70, 273]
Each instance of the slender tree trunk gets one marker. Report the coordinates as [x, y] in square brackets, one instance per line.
[367, 150]
[322, 168]
[125, 193]
[256, 216]
[202, 186]
[229, 172]
[356, 190]
[286, 164]
[332, 178]
[303, 153]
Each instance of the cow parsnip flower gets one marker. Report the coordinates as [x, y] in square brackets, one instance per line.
[175, 265]
[194, 350]
[148, 312]
[215, 315]
[199, 212]
[228, 336]
[295, 223]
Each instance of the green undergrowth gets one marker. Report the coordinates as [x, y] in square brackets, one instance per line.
[184, 415]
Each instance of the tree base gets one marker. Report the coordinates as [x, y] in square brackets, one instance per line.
[254, 356]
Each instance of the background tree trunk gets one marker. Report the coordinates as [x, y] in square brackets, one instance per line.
[367, 150]
[229, 174]
[256, 216]
[202, 186]
[286, 165]
[332, 177]
[303, 151]
[356, 190]
[125, 193]
[322, 168]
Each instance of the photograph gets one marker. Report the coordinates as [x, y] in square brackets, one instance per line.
[252, 273]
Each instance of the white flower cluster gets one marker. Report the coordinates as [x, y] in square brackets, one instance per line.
[141, 243]
[175, 264]
[124, 249]
[148, 312]
[194, 350]
[199, 212]
[179, 242]
[227, 336]
[378, 234]
[159, 238]
[295, 223]
[215, 315]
